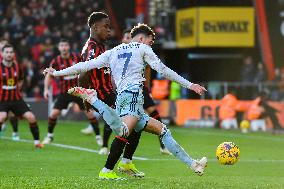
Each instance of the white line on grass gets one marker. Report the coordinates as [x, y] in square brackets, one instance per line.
[144, 158]
[71, 147]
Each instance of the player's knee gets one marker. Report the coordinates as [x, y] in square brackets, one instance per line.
[30, 117]
[54, 114]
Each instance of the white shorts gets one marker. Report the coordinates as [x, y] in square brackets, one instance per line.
[131, 103]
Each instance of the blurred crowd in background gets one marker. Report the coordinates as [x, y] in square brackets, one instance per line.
[35, 27]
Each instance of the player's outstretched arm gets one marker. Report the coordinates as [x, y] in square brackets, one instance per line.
[47, 81]
[81, 67]
[156, 64]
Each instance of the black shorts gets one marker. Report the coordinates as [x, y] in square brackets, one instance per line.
[148, 100]
[18, 107]
[63, 100]
[110, 100]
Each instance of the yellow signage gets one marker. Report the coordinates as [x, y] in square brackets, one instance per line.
[217, 27]
[186, 27]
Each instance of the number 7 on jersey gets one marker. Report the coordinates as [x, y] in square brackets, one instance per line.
[127, 56]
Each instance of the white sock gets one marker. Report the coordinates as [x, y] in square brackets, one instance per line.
[105, 170]
[49, 135]
[126, 161]
[98, 136]
[92, 99]
[14, 134]
[36, 142]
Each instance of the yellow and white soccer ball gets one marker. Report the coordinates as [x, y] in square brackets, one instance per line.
[228, 153]
[244, 126]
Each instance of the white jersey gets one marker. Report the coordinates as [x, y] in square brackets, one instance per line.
[127, 63]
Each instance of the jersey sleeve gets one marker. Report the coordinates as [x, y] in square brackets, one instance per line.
[21, 73]
[155, 63]
[81, 67]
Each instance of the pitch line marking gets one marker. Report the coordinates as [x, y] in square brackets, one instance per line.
[70, 147]
[144, 158]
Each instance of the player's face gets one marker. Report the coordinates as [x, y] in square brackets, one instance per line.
[126, 38]
[8, 54]
[64, 47]
[102, 29]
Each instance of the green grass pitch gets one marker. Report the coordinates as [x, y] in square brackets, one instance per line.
[261, 164]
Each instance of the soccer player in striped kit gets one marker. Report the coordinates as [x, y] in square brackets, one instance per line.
[10, 96]
[64, 60]
[12, 118]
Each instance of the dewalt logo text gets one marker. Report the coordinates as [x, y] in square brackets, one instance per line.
[225, 26]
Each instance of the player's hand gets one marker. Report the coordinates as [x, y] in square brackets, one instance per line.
[48, 71]
[45, 94]
[198, 89]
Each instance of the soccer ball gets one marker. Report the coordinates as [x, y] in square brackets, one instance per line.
[228, 153]
[244, 126]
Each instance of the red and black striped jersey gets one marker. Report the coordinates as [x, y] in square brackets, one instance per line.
[59, 63]
[100, 78]
[9, 79]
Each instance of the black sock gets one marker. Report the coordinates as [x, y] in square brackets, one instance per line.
[155, 114]
[34, 130]
[14, 122]
[116, 150]
[95, 125]
[1, 126]
[51, 124]
[107, 133]
[133, 141]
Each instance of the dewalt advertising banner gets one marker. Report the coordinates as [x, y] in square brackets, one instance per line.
[186, 28]
[218, 27]
[226, 27]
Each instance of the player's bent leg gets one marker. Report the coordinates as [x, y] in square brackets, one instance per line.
[89, 129]
[152, 112]
[29, 116]
[14, 122]
[126, 165]
[52, 119]
[116, 150]
[156, 127]
[3, 116]
[118, 145]
[95, 124]
[107, 132]
[109, 115]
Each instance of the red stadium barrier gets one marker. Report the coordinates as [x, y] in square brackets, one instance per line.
[208, 109]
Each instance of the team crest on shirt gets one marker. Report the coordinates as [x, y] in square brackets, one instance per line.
[92, 52]
[107, 71]
[10, 82]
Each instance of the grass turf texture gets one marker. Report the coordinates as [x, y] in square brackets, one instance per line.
[21, 166]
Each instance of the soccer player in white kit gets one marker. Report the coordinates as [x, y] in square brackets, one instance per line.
[127, 63]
